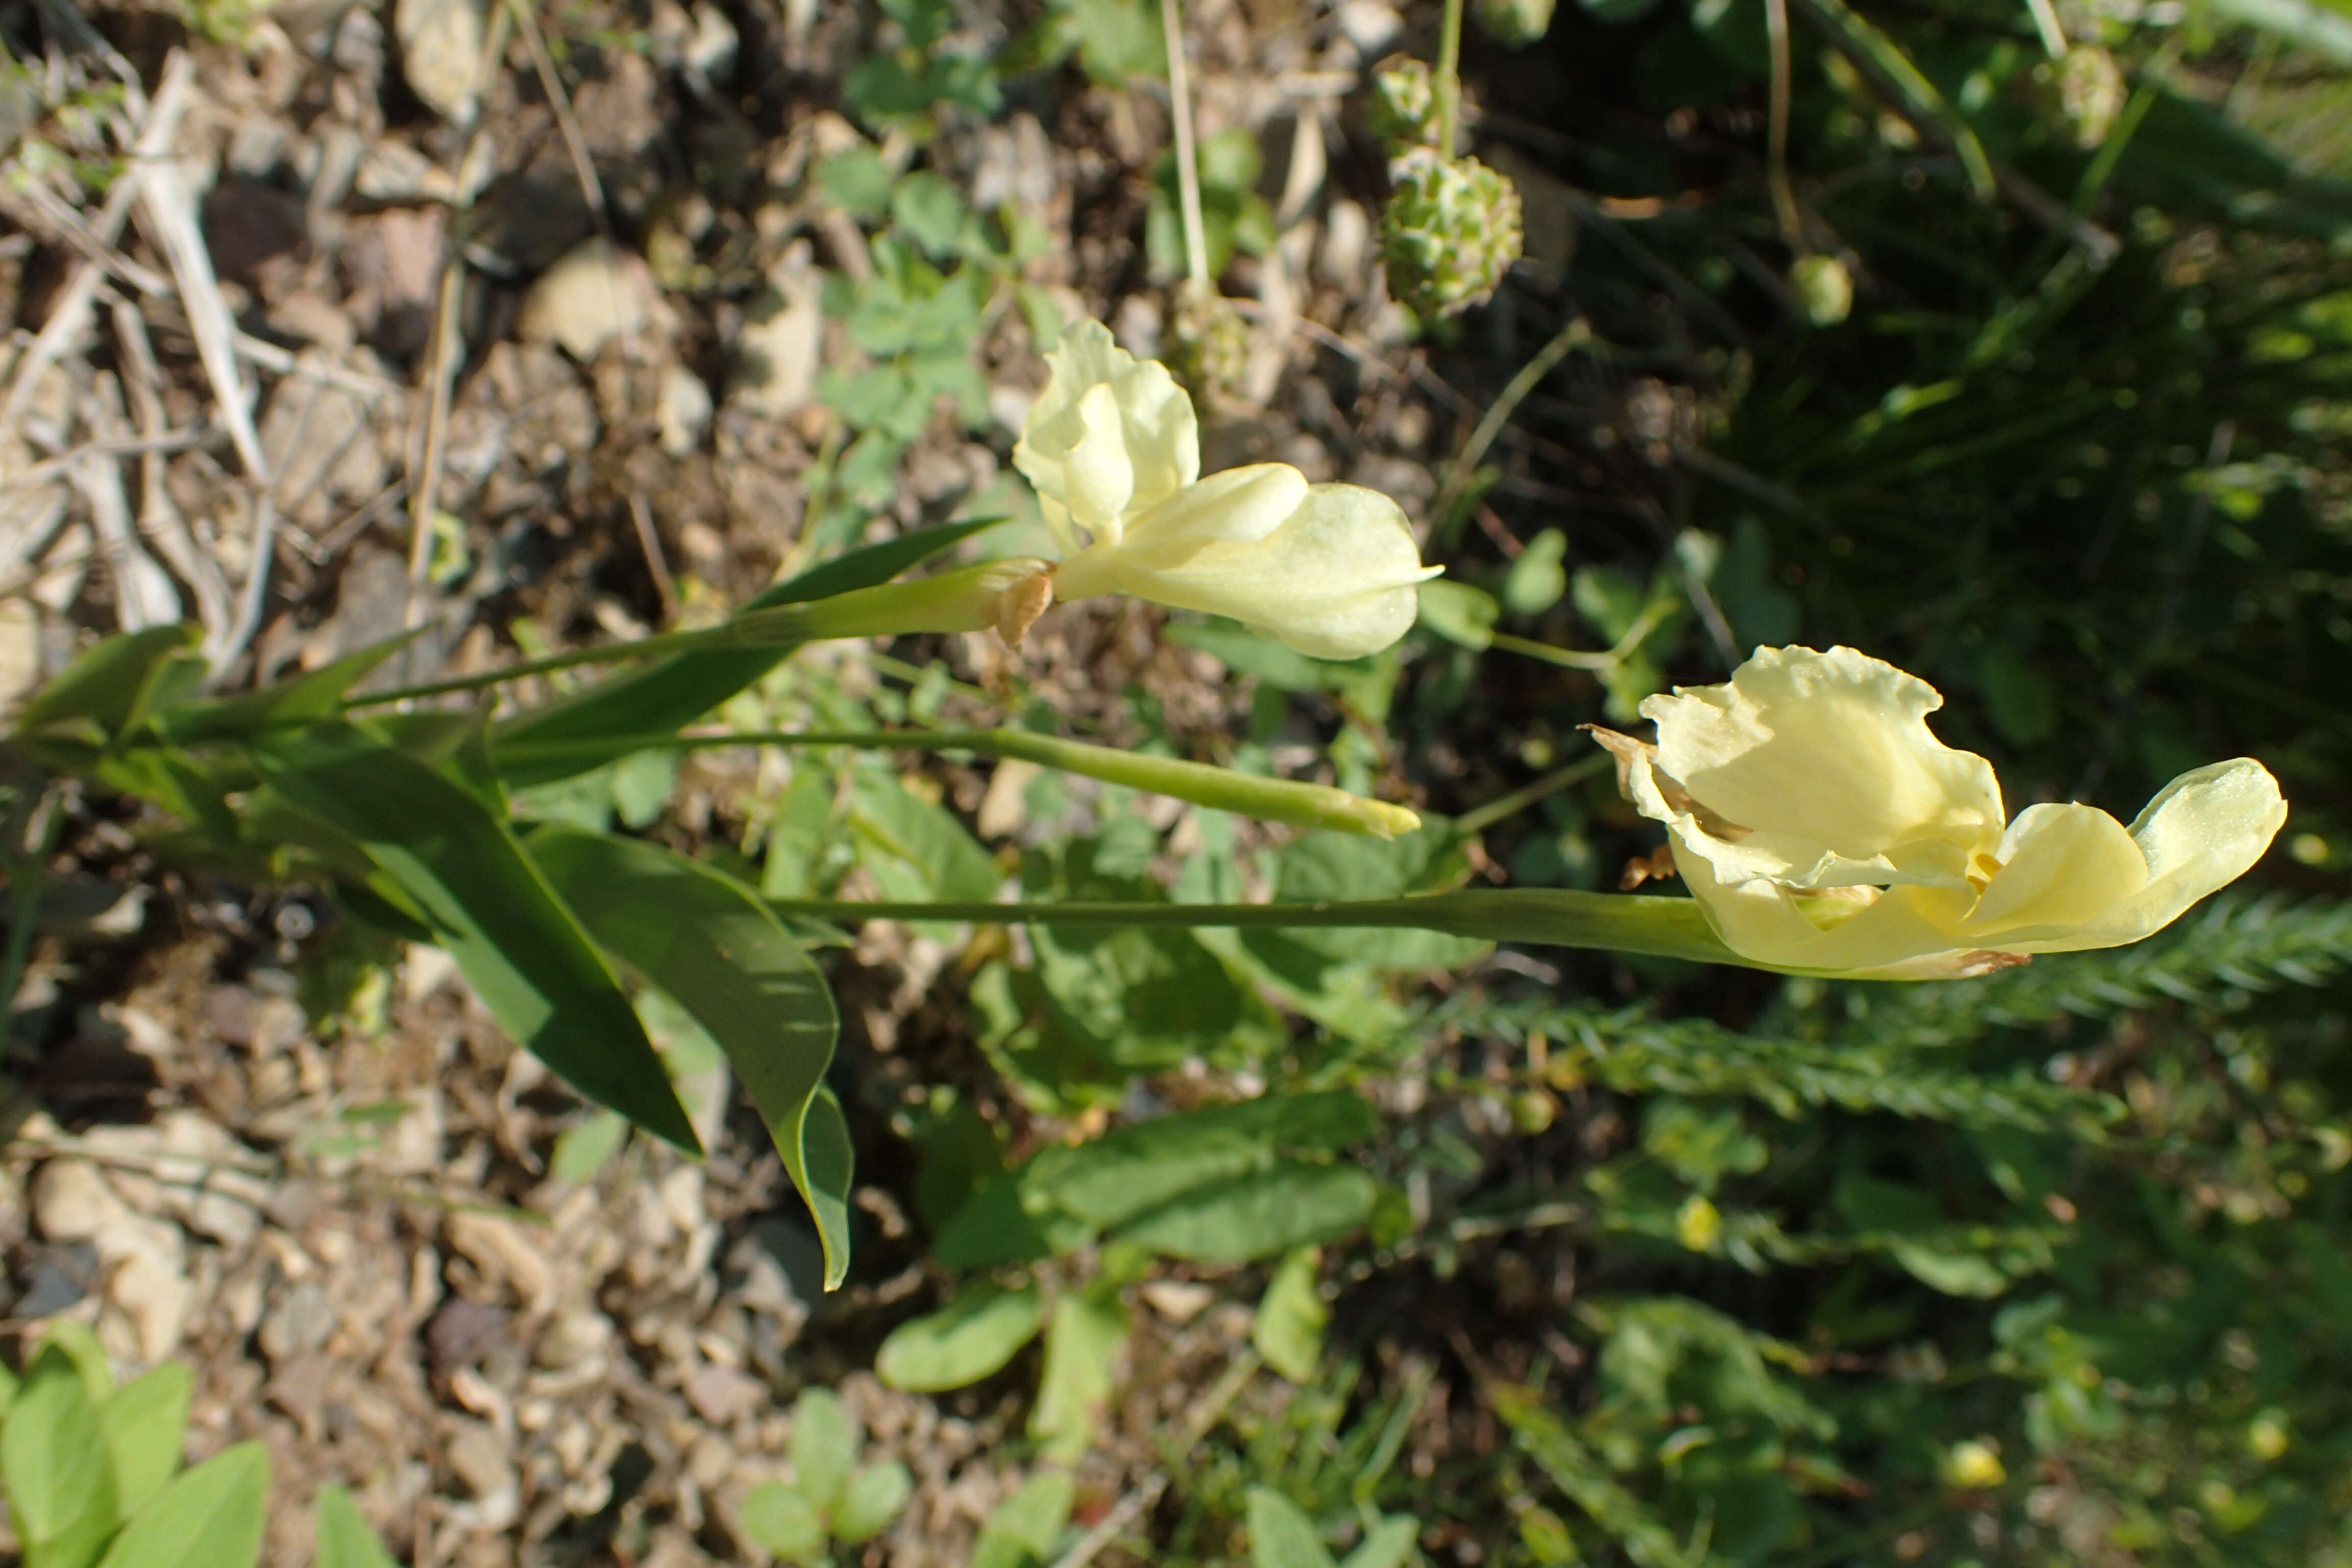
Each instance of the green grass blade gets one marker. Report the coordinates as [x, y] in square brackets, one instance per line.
[715, 947]
[684, 687]
[514, 940]
[313, 695]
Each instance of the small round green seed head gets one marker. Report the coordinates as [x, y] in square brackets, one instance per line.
[2091, 93]
[1516, 22]
[1404, 111]
[1451, 231]
[1824, 287]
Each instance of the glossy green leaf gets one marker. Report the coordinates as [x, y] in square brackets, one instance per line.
[1280, 1535]
[873, 1499]
[1083, 1337]
[824, 1443]
[682, 687]
[1291, 1317]
[344, 1540]
[144, 1422]
[709, 943]
[211, 1517]
[972, 1336]
[54, 1466]
[1292, 1205]
[518, 945]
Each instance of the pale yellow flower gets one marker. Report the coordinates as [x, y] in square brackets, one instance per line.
[1113, 452]
[1824, 829]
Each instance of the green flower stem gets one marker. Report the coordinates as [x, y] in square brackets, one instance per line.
[1245, 795]
[967, 600]
[1541, 917]
[1449, 78]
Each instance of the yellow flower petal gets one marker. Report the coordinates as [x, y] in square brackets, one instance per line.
[1154, 431]
[1333, 580]
[1827, 760]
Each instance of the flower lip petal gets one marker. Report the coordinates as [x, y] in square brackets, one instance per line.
[1827, 760]
[1238, 505]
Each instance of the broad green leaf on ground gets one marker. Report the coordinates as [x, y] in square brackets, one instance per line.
[782, 1521]
[54, 1466]
[824, 1443]
[1291, 1205]
[710, 943]
[1127, 1172]
[144, 1423]
[1025, 1526]
[681, 689]
[518, 945]
[916, 848]
[344, 1540]
[1281, 1536]
[1291, 1318]
[1388, 1544]
[210, 1517]
[1083, 1338]
[983, 1328]
[873, 1498]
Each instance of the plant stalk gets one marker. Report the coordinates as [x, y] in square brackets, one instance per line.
[1449, 78]
[1543, 917]
[1188, 164]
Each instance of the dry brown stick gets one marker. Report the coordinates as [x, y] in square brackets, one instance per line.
[69, 317]
[575, 142]
[49, 470]
[144, 594]
[659, 564]
[158, 518]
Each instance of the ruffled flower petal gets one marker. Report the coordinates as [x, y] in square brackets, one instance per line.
[1100, 395]
[1823, 830]
[1826, 761]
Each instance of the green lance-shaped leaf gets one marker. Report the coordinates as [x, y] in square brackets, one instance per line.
[314, 694]
[54, 1466]
[1281, 1535]
[516, 943]
[106, 689]
[683, 687]
[211, 1517]
[711, 944]
[144, 1423]
[344, 1540]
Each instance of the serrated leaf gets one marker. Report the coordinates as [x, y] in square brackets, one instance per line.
[515, 941]
[873, 1498]
[344, 1540]
[144, 1422]
[710, 943]
[1280, 1535]
[211, 1517]
[972, 1336]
